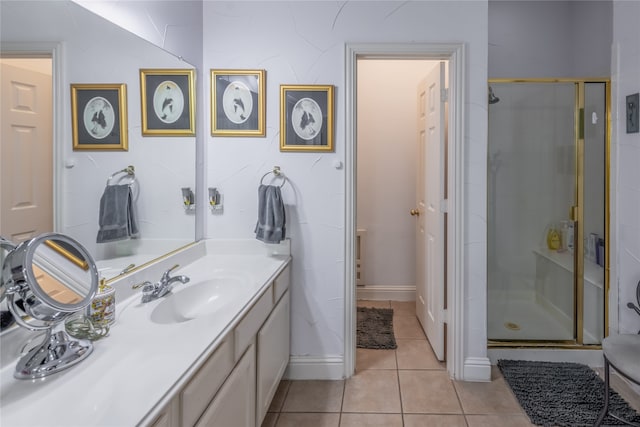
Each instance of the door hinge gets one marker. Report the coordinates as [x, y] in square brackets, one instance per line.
[444, 316]
[444, 206]
[573, 213]
[444, 94]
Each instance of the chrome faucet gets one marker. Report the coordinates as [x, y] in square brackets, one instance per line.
[153, 291]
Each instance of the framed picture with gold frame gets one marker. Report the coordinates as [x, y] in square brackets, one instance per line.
[238, 102]
[99, 116]
[168, 102]
[306, 118]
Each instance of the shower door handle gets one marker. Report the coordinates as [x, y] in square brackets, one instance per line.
[414, 212]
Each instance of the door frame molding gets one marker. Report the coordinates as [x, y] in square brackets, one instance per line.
[454, 53]
[55, 51]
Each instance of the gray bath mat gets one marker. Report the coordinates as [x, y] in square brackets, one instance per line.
[562, 394]
[375, 328]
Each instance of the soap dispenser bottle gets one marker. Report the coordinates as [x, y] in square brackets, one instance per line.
[553, 238]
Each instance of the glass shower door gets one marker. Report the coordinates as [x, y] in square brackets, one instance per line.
[531, 190]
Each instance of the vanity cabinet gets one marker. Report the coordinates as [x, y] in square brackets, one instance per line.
[210, 354]
[235, 385]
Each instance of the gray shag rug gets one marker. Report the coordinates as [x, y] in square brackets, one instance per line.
[562, 394]
[374, 328]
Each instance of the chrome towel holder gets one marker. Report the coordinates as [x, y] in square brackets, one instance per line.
[277, 174]
[130, 172]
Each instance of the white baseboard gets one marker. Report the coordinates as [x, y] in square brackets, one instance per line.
[315, 368]
[477, 369]
[382, 293]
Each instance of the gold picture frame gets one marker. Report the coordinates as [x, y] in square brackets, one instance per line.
[99, 116]
[167, 99]
[306, 118]
[238, 102]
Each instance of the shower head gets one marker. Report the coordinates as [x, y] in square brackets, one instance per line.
[493, 99]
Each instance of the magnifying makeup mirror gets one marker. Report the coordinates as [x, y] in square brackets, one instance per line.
[45, 280]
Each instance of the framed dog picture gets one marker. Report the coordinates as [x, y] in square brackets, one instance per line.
[238, 102]
[306, 118]
[99, 116]
[168, 102]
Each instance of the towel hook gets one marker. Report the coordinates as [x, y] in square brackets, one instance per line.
[129, 170]
[278, 174]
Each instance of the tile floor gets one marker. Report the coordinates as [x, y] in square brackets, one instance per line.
[403, 387]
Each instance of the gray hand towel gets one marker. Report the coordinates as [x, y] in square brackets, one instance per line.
[271, 225]
[117, 214]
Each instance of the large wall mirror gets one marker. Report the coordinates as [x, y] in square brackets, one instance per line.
[46, 184]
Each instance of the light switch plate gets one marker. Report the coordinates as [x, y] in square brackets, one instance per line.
[632, 113]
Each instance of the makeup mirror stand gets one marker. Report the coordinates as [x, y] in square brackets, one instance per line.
[40, 310]
[58, 349]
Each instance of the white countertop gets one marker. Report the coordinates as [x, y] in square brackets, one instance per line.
[133, 372]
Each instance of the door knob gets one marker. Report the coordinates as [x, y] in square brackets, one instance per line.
[414, 212]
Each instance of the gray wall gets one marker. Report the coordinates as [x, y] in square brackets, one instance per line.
[550, 39]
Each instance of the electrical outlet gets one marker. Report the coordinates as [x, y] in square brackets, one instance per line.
[632, 113]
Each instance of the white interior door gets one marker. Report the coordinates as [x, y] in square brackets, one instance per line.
[431, 207]
[26, 153]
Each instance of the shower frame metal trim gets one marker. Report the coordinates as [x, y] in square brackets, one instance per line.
[578, 323]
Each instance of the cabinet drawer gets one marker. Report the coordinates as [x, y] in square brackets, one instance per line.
[281, 284]
[249, 325]
[197, 394]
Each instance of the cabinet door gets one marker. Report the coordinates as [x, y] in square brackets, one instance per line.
[273, 355]
[235, 403]
[201, 389]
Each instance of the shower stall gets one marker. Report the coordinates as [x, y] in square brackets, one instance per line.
[547, 180]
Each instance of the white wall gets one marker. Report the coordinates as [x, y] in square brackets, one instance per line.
[387, 150]
[96, 51]
[304, 43]
[626, 158]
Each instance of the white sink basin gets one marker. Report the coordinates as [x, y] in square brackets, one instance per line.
[192, 300]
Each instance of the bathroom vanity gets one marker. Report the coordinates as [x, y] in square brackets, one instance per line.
[210, 353]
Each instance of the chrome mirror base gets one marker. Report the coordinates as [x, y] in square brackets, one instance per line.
[57, 352]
